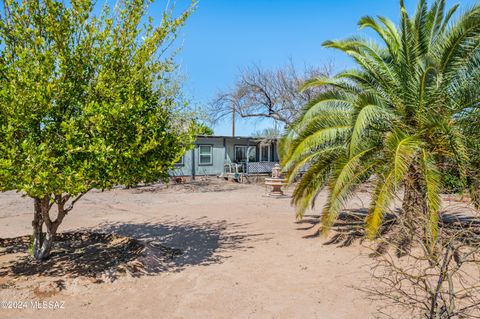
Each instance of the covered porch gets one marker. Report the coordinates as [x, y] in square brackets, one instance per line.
[251, 156]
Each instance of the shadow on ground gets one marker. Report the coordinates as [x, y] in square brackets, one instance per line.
[138, 249]
[350, 225]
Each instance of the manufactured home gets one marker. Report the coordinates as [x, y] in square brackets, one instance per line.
[216, 155]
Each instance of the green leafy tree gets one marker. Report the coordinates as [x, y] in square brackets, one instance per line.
[404, 111]
[204, 129]
[86, 101]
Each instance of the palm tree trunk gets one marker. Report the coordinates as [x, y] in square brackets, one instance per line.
[414, 208]
[414, 204]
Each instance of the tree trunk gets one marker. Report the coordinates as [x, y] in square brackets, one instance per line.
[37, 225]
[414, 200]
[44, 251]
[43, 242]
[414, 209]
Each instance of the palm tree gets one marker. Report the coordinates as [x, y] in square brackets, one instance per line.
[397, 118]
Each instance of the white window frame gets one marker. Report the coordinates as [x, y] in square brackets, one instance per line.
[269, 154]
[200, 155]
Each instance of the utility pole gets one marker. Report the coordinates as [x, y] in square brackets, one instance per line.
[233, 122]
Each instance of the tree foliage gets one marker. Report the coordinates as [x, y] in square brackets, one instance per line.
[204, 129]
[410, 106]
[87, 101]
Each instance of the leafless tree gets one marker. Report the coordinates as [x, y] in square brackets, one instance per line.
[439, 280]
[434, 278]
[263, 93]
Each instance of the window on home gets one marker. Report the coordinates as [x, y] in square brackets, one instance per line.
[264, 152]
[243, 152]
[205, 154]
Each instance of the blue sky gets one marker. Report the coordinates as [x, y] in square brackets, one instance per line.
[223, 36]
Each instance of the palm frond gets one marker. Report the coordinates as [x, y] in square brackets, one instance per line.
[381, 198]
[387, 33]
[403, 148]
[368, 115]
[312, 182]
[329, 82]
[347, 175]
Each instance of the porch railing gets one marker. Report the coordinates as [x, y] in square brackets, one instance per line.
[260, 167]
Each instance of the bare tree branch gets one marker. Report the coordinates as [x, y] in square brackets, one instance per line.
[266, 93]
[441, 283]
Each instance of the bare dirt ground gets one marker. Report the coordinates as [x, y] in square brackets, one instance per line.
[215, 249]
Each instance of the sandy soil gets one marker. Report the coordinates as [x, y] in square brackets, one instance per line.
[244, 257]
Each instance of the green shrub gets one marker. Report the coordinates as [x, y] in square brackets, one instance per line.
[452, 183]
